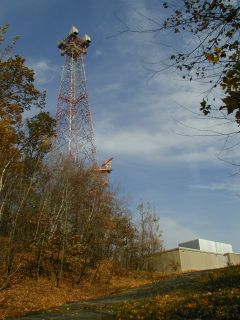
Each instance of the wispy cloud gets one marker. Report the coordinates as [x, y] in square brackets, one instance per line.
[44, 69]
[232, 186]
[108, 88]
[151, 126]
[152, 120]
[160, 147]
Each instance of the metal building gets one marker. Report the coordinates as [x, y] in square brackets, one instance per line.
[197, 254]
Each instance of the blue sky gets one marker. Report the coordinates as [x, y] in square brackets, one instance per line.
[138, 119]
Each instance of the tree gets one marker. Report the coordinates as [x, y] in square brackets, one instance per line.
[150, 238]
[143, 240]
[23, 144]
[215, 57]
[17, 95]
[57, 217]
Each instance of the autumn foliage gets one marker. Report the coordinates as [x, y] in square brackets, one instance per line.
[59, 223]
[214, 57]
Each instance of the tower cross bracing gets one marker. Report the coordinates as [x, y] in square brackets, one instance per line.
[75, 133]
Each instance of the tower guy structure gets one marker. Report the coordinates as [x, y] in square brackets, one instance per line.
[75, 135]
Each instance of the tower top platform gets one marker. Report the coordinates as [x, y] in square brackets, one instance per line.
[73, 45]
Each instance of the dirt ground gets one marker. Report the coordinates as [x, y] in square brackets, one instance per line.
[31, 295]
[90, 299]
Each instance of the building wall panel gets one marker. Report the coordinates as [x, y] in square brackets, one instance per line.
[166, 261]
[199, 260]
[233, 258]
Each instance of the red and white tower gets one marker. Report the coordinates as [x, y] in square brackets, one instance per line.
[75, 135]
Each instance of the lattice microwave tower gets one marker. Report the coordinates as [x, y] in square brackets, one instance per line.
[75, 134]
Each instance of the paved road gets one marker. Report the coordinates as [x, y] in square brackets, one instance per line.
[85, 310]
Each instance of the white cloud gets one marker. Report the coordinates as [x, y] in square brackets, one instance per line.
[157, 120]
[231, 186]
[44, 69]
[110, 88]
[189, 156]
[211, 187]
[150, 132]
[154, 147]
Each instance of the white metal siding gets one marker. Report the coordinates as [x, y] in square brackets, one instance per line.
[207, 246]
